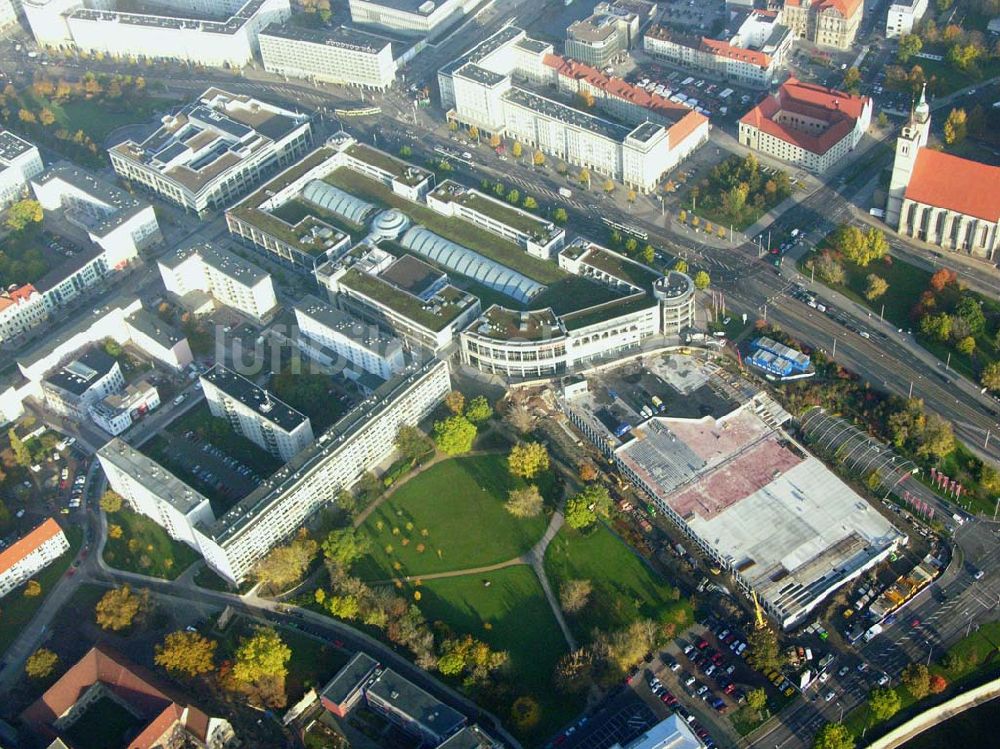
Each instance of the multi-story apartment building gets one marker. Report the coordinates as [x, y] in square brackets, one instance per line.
[405, 295]
[230, 279]
[412, 709]
[903, 16]
[20, 161]
[232, 544]
[214, 150]
[118, 224]
[31, 553]
[253, 412]
[410, 17]
[609, 32]
[333, 337]
[343, 55]
[21, 308]
[942, 199]
[827, 23]
[807, 125]
[752, 56]
[540, 343]
[217, 33]
[116, 412]
[82, 382]
[537, 236]
[480, 86]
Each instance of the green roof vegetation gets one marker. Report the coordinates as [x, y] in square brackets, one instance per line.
[385, 162]
[407, 304]
[508, 215]
[634, 273]
[577, 320]
[455, 229]
[530, 326]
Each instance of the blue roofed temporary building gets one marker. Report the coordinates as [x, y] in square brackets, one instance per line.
[466, 262]
[333, 199]
[778, 358]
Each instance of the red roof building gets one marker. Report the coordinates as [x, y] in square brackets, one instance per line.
[955, 184]
[31, 553]
[807, 125]
[150, 716]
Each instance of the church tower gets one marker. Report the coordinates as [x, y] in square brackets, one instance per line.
[910, 141]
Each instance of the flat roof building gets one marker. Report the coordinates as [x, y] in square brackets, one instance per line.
[255, 414]
[786, 527]
[412, 709]
[670, 733]
[214, 150]
[412, 17]
[78, 384]
[903, 16]
[346, 688]
[32, 552]
[230, 279]
[19, 162]
[807, 125]
[342, 55]
[609, 32]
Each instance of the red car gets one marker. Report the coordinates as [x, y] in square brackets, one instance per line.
[701, 644]
[729, 688]
[717, 659]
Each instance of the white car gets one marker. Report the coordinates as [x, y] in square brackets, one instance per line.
[829, 696]
[883, 680]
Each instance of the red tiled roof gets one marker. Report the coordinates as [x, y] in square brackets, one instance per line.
[27, 544]
[946, 181]
[684, 119]
[846, 8]
[20, 294]
[157, 727]
[725, 49]
[838, 109]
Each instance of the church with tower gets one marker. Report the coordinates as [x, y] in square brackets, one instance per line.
[941, 199]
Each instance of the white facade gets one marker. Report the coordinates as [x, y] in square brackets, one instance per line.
[233, 281]
[211, 152]
[20, 160]
[71, 389]
[26, 556]
[344, 56]
[414, 17]
[21, 309]
[254, 413]
[8, 14]
[232, 544]
[230, 40]
[364, 346]
[116, 412]
[902, 16]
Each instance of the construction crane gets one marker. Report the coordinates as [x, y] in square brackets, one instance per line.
[758, 612]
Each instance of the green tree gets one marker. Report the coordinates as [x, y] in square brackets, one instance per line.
[956, 126]
[528, 459]
[514, 196]
[574, 595]
[406, 152]
[525, 502]
[966, 345]
[478, 410]
[529, 203]
[884, 703]
[757, 699]
[909, 45]
[852, 79]
[413, 444]
[970, 310]
[648, 254]
[559, 216]
[41, 663]
[454, 435]
[22, 456]
[285, 565]
[345, 546]
[702, 280]
[990, 376]
[525, 713]
[110, 501]
[875, 286]
[578, 513]
[917, 679]
[262, 655]
[764, 652]
[344, 607]
[596, 498]
[609, 186]
[24, 213]
[833, 736]
[681, 266]
[186, 653]
[936, 326]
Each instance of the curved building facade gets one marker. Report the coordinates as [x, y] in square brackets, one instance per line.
[675, 292]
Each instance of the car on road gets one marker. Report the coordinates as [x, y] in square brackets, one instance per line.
[883, 680]
[830, 696]
[843, 671]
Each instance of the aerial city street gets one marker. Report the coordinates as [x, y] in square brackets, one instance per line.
[495, 374]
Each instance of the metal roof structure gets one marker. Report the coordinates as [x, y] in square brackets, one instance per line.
[469, 263]
[334, 199]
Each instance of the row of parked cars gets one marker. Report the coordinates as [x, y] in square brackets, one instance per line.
[671, 701]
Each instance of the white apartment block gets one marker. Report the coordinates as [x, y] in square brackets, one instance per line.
[217, 33]
[214, 150]
[343, 56]
[21, 308]
[410, 17]
[903, 16]
[608, 33]
[538, 237]
[230, 279]
[481, 88]
[235, 542]
[116, 412]
[253, 412]
[30, 554]
[751, 56]
[72, 388]
[20, 161]
[346, 338]
[117, 223]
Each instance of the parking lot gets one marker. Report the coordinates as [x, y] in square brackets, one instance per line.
[692, 88]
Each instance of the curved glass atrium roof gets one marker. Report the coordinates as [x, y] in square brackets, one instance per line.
[468, 263]
[336, 200]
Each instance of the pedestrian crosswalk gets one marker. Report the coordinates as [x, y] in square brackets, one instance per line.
[533, 188]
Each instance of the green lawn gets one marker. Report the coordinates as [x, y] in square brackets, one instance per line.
[154, 552]
[16, 610]
[520, 622]
[99, 117]
[624, 587]
[460, 503]
[948, 78]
